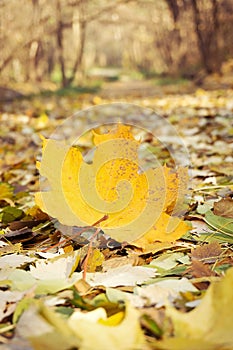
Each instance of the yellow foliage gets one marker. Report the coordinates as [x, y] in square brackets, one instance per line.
[95, 259]
[209, 325]
[6, 191]
[137, 203]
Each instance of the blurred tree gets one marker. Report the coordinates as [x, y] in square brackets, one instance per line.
[207, 30]
[57, 39]
[82, 13]
[174, 8]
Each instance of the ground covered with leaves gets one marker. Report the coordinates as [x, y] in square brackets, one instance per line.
[148, 294]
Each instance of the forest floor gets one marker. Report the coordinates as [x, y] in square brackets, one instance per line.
[151, 295]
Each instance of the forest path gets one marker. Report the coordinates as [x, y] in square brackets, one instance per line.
[142, 88]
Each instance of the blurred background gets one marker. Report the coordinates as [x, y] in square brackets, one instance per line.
[60, 43]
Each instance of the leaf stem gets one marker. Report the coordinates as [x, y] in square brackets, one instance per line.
[105, 217]
[85, 263]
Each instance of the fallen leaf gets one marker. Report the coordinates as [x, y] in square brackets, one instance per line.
[17, 226]
[120, 331]
[126, 335]
[123, 131]
[179, 343]
[97, 315]
[92, 316]
[8, 302]
[126, 275]
[150, 323]
[199, 269]
[211, 321]
[95, 259]
[164, 292]
[132, 260]
[57, 268]
[207, 253]
[51, 331]
[10, 214]
[14, 260]
[48, 276]
[225, 168]
[166, 228]
[177, 285]
[22, 305]
[22, 280]
[136, 202]
[156, 246]
[6, 192]
[6, 248]
[166, 261]
[224, 208]
[117, 296]
[219, 223]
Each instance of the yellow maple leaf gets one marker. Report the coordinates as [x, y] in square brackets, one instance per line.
[123, 131]
[166, 228]
[136, 202]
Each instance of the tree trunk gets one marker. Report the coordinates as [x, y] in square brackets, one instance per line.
[34, 48]
[59, 35]
[203, 48]
[215, 36]
[174, 9]
[82, 38]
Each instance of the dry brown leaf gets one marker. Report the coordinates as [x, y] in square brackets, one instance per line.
[207, 253]
[224, 207]
[199, 269]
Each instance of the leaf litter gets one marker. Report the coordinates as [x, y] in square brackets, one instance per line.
[153, 311]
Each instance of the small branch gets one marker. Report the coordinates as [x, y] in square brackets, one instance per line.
[89, 253]
[105, 217]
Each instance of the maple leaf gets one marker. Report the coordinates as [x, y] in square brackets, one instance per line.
[136, 203]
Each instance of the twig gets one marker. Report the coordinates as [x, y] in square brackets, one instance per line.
[89, 253]
[105, 217]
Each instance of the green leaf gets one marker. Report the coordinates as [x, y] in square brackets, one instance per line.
[64, 311]
[10, 214]
[22, 305]
[152, 325]
[220, 223]
[223, 226]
